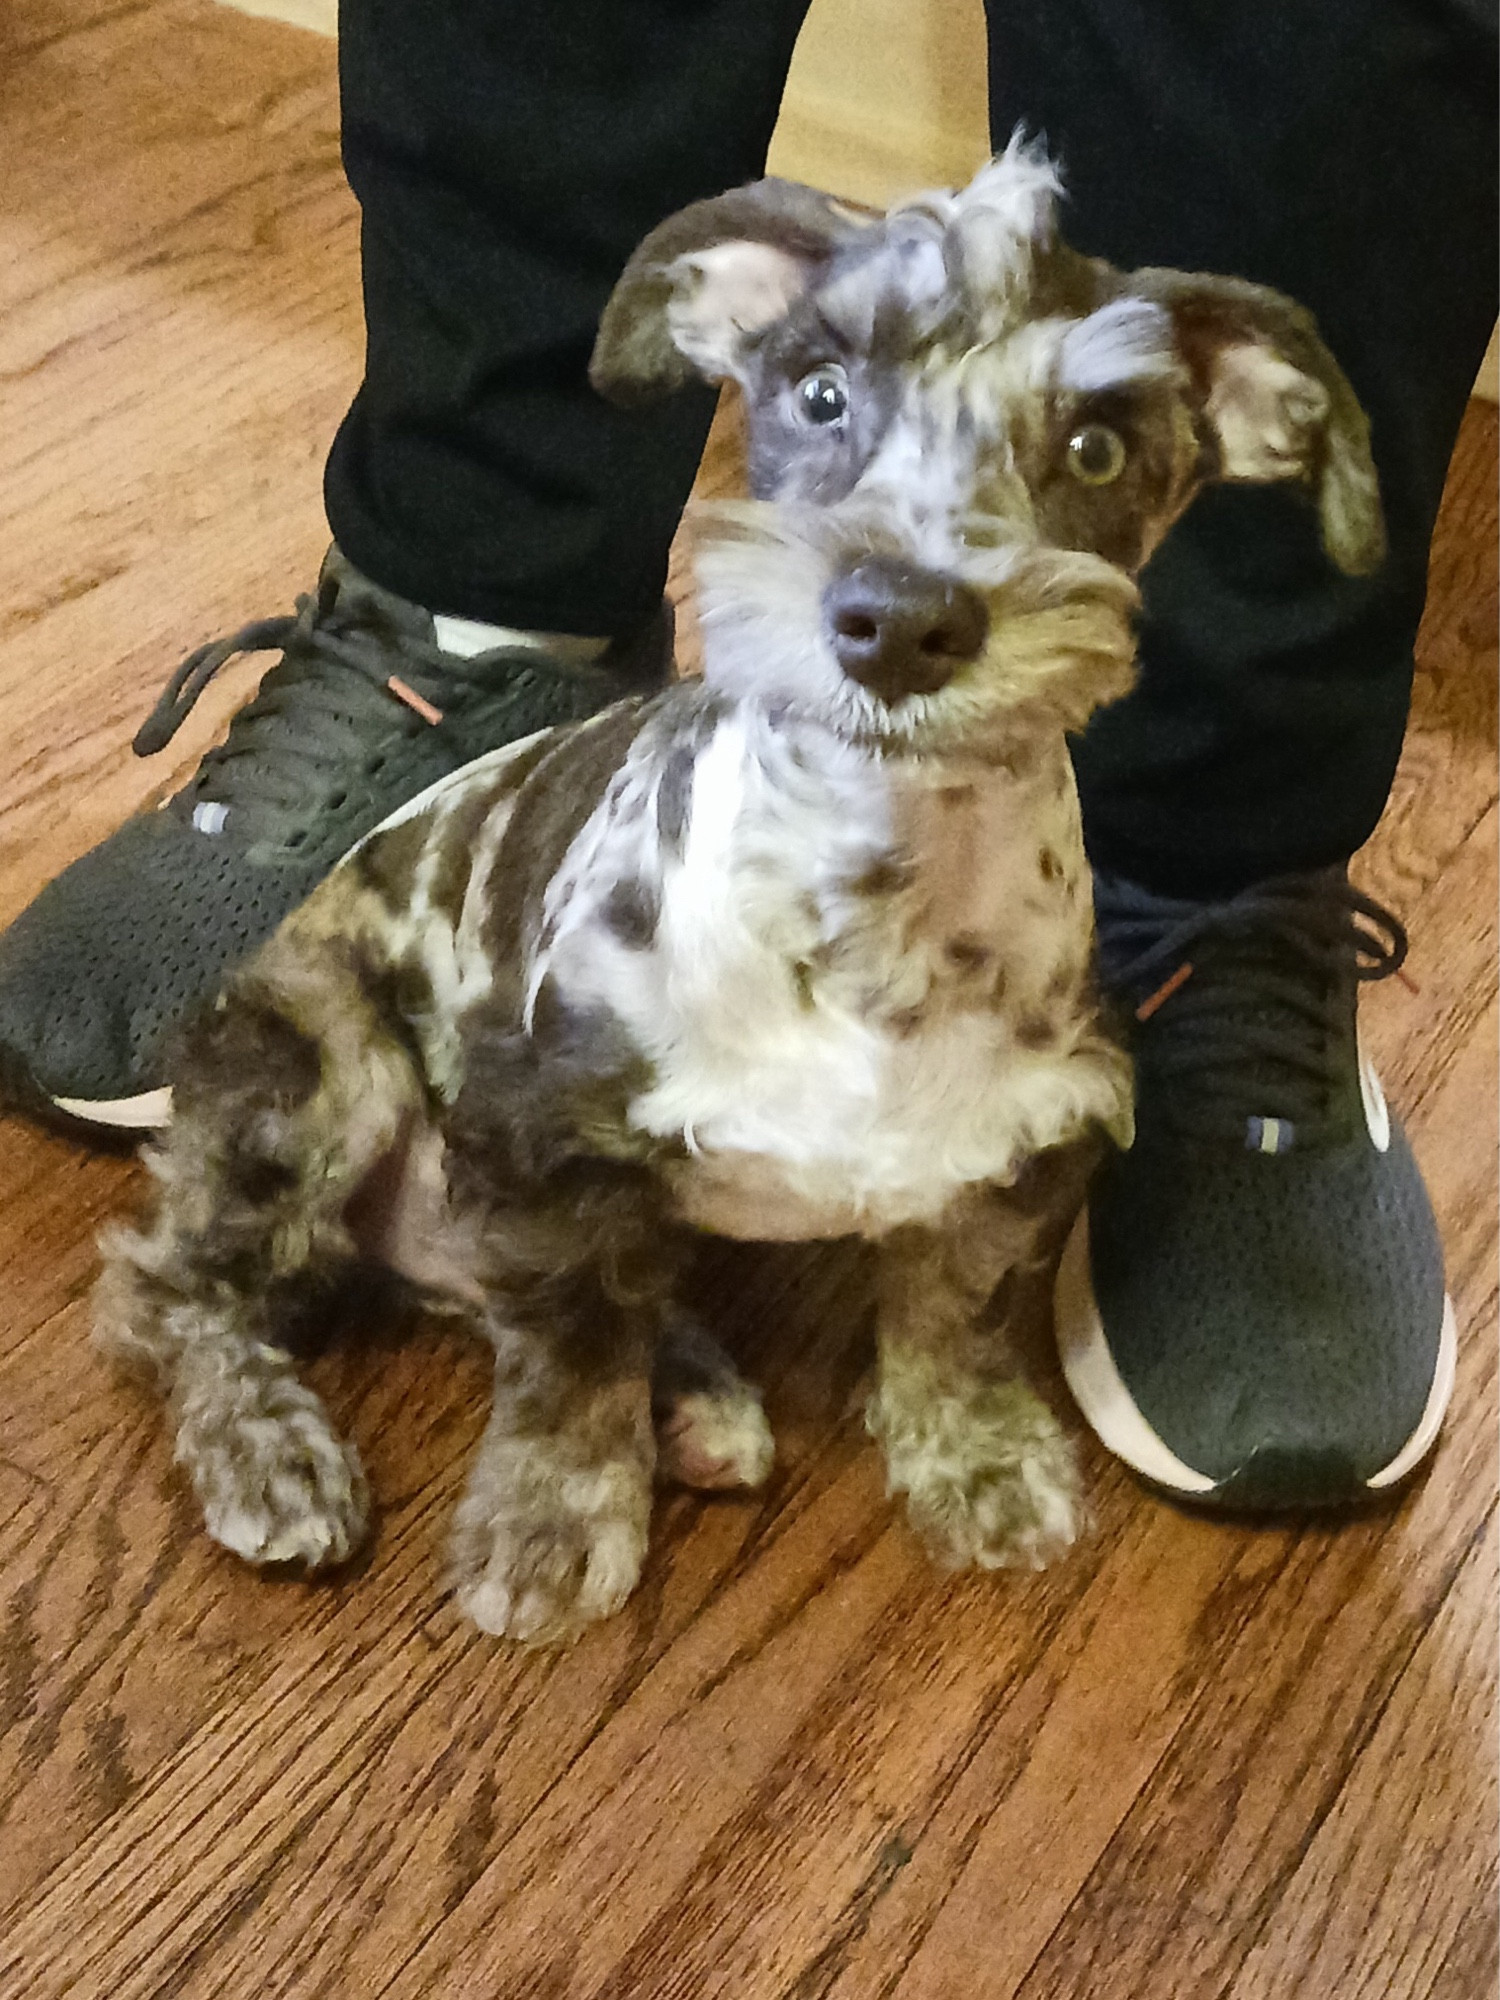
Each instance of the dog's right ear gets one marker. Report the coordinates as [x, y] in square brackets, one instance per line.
[707, 278]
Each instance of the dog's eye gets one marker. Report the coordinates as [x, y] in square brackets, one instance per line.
[823, 396]
[1096, 455]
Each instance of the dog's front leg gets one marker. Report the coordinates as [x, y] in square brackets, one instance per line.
[551, 1532]
[988, 1475]
[273, 1134]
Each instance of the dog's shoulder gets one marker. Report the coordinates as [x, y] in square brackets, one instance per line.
[477, 849]
[546, 1075]
[624, 774]
[433, 908]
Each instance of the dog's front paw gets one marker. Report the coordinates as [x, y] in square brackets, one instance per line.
[989, 1477]
[542, 1551]
[275, 1483]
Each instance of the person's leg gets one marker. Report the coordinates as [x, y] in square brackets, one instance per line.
[508, 158]
[1346, 155]
[1255, 1311]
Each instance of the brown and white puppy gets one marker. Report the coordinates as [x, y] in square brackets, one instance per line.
[799, 950]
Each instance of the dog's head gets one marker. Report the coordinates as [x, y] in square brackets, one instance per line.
[964, 441]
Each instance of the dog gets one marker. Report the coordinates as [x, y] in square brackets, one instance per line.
[798, 949]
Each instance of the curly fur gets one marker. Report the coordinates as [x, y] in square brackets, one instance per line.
[789, 953]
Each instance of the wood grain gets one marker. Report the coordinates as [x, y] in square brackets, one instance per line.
[1195, 1760]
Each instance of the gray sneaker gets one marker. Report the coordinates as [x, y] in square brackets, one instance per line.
[1252, 1313]
[363, 711]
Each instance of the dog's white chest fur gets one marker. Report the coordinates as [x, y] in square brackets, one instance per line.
[864, 986]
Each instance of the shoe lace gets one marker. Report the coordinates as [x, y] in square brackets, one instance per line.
[329, 705]
[1243, 1007]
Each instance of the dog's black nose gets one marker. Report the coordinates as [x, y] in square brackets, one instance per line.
[899, 630]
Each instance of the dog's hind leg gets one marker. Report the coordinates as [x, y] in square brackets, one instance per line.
[276, 1123]
[711, 1430]
[988, 1474]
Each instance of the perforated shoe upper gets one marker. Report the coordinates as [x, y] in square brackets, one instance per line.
[1262, 1293]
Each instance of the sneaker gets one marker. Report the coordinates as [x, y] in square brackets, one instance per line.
[364, 710]
[1251, 1311]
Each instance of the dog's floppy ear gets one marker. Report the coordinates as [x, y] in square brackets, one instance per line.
[1276, 403]
[707, 277]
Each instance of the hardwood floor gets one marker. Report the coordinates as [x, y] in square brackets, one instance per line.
[1194, 1760]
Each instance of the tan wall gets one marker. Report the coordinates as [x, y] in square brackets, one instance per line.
[885, 97]
[320, 15]
[1489, 375]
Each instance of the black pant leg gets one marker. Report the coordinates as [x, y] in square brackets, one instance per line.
[1344, 151]
[508, 158]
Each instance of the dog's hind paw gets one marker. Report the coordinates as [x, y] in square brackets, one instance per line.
[711, 1431]
[552, 1552]
[990, 1481]
[715, 1441]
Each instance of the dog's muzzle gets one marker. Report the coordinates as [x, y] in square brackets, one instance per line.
[900, 630]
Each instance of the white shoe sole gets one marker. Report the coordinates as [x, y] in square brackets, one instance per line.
[147, 1112]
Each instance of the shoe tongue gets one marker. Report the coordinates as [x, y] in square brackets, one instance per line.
[347, 597]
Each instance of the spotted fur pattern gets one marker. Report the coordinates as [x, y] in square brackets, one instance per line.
[771, 955]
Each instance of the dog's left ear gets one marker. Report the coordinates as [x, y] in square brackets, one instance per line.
[706, 279]
[1276, 403]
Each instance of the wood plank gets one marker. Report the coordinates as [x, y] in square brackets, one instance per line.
[1196, 1759]
[1400, 1878]
[197, 211]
